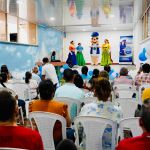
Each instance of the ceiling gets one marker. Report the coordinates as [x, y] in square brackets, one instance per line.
[74, 15]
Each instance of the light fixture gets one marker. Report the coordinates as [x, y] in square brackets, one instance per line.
[52, 18]
[114, 29]
[83, 30]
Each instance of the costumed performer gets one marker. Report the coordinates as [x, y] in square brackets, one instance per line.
[79, 55]
[95, 48]
[106, 55]
[71, 61]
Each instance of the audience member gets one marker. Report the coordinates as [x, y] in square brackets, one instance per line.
[102, 108]
[145, 101]
[124, 78]
[103, 74]
[3, 84]
[12, 135]
[140, 142]
[5, 70]
[94, 77]
[75, 72]
[69, 89]
[49, 72]
[84, 74]
[47, 104]
[35, 75]
[144, 76]
[66, 145]
[78, 81]
[32, 84]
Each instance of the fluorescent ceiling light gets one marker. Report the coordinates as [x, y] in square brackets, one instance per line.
[114, 28]
[83, 30]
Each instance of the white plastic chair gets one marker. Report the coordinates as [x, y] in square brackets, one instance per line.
[22, 90]
[70, 102]
[128, 106]
[45, 123]
[94, 128]
[88, 100]
[125, 93]
[130, 124]
[141, 88]
[122, 86]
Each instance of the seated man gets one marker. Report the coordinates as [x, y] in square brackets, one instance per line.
[140, 142]
[12, 135]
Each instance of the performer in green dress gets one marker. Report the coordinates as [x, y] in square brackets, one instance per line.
[79, 55]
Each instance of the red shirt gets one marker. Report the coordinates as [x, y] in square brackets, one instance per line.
[20, 137]
[136, 143]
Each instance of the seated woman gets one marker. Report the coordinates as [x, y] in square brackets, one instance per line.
[5, 70]
[101, 108]
[47, 104]
[32, 84]
[3, 83]
[124, 78]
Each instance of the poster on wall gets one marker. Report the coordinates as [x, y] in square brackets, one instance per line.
[126, 50]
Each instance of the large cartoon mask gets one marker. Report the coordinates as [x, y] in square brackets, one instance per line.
[94, 39]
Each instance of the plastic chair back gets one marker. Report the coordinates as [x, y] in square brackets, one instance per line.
[72, 104]
[132, 124]
[128, 106]
[94, 128]
[45, 123]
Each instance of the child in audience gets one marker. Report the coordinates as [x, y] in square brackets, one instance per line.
[84, 74]
[32, 84]
[66, 145]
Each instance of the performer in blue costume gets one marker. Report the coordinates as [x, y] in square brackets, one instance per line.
[79, 55]
[95, 48]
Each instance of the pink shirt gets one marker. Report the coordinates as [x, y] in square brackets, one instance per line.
[123, 80]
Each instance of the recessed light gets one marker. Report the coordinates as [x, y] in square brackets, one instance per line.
[115, 29]
[83, 30]
[52, 18]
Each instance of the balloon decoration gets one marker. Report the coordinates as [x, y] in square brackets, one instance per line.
[106, 7]
[113, 74]
[94, 12]
[79, 8]
[143, 55]
[72, 7]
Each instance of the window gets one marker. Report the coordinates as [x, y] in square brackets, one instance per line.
[16, 23]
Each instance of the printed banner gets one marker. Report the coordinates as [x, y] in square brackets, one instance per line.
[126, 50]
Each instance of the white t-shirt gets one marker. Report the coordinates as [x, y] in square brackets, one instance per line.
[50, 73]
[36, 77]
[33, 88]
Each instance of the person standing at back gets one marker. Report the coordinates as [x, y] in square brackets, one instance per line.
[69, 89]
[49, 72]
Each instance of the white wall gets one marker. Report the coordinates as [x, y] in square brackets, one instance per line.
[85, 38]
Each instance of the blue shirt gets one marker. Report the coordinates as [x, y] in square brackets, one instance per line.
[79, 48]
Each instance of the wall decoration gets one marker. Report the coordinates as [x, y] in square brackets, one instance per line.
[79, 8]
[106, 7]
[72, 7]
[126, 50]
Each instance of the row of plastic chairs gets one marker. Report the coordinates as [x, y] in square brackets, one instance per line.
[93, 127]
